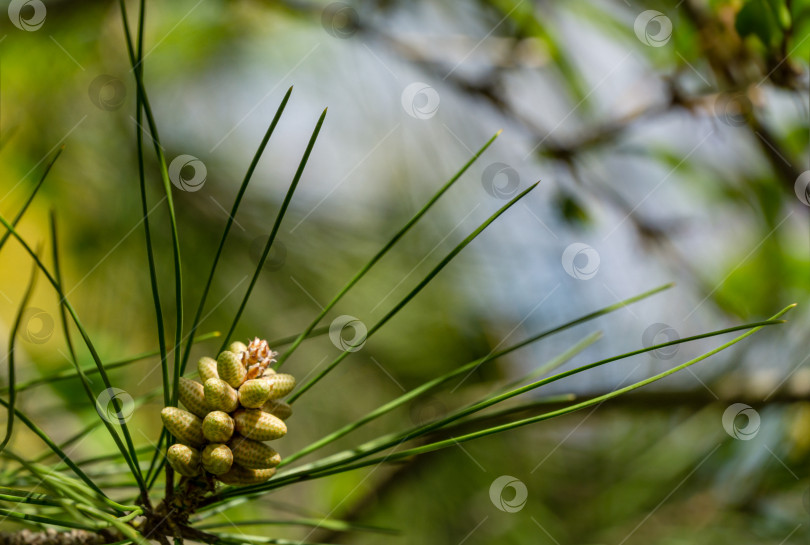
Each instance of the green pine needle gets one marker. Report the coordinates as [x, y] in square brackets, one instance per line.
[425, 281]
[384, 250]
[279, 217]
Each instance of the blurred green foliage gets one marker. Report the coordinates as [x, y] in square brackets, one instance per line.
[726, 225]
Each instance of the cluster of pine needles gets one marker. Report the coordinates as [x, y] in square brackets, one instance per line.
[54, 492]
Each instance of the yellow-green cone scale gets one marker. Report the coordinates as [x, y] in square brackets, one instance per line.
[253, 393]
[231, 369]
[237, 348]
[217, 427]
[217, 458]
[258, 425]
[239, 475]
[278, 408]
[283, 384]
[192, 397]
[207, 367]
[253, 454]
[220, 396]
[184, 459]
[185, 426]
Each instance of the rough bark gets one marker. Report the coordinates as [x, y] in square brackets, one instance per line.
[52, 537]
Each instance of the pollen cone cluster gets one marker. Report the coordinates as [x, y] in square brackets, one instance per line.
[229, 415]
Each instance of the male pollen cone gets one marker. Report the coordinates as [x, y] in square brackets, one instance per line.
[220, 396]
[282, 383]
[186, 427]
[184, 459]
[217, 427]
[258, 425]
[278, 408]
[192, 396]
[253, 393]
[253, 454]
[239, 475]
[227, 414]
[231, 369]
[207, 368]
[217, 458]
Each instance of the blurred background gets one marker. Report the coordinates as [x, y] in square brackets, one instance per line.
[671, 142]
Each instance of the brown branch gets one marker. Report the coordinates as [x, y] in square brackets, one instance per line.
[52, 537]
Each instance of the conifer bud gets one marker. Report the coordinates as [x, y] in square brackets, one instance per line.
[254, 392]
[278, 408]
[253, 454]
[217, 458]
[231, 369]
[192, 397]
[258, 425]
[184, 459]
[239, 475]
[217, 427]
[220, 396]
[207, 367]
[186, 427]
[283, 384]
